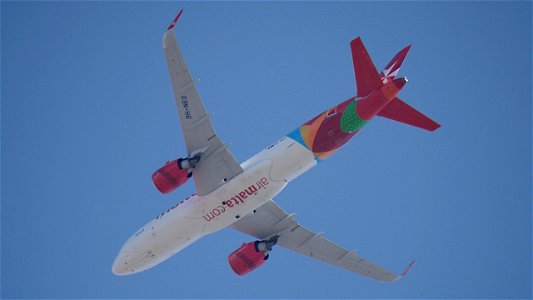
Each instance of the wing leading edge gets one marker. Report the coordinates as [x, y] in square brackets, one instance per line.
[217, 165]
[270, 220]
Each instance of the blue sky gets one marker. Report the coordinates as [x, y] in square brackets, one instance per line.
[87, 114]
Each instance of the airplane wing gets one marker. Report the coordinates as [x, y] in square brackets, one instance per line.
[217, 165]
[270, 220]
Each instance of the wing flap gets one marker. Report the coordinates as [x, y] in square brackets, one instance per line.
[316, 246]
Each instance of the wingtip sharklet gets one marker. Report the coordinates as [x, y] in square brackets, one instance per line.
[175, 20]
[395, 278]
[407, 269]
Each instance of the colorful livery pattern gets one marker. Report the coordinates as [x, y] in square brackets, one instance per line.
[330, 130]
[376, 95]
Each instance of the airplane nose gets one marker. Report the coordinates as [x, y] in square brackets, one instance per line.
[119, 267]
[128, 262]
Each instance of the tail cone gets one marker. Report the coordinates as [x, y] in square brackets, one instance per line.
[400, 82]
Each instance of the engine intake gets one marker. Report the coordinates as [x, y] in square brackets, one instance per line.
[188, 163]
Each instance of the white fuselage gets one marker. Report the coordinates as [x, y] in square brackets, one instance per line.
[264, 176]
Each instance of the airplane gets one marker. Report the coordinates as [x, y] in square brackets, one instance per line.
[240, 196]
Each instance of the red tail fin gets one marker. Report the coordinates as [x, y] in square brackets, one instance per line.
[391, 70]
[366, 75]
[400, 111]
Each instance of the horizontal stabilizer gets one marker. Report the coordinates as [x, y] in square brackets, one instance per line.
[400, 111]
[366, 75]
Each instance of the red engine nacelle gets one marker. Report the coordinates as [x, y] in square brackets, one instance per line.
[246, 259]
[251, 256]
[171, 176]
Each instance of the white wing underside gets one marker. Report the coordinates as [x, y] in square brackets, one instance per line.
[270, 220]
[217, 165]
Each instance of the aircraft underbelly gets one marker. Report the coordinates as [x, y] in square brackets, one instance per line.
[292, 161]
[198, 216]
[240, 196]
[264, 176]
[289, 159]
